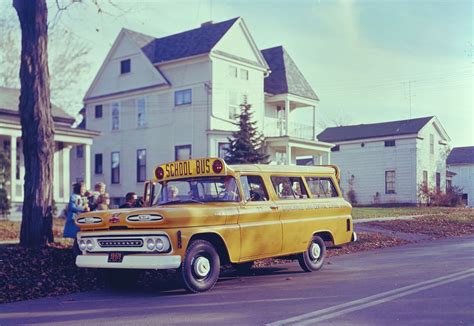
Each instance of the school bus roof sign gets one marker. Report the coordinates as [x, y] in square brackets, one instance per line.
[190, 168]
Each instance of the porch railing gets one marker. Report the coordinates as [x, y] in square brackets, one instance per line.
[277, 128]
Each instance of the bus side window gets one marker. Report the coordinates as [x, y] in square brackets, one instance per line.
[289, 187]
[253, 188]
[321, 187]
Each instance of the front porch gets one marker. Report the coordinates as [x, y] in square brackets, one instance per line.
[64, 140]
[286, 150]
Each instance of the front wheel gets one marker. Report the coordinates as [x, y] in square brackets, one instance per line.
[313, 258]
[201, 267]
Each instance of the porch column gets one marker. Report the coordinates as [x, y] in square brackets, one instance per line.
[66, 175]
[87, 165]
[287, 116]
[320, 159]
[314, 122]
[329, 157]
[13, 168]
[288, 154]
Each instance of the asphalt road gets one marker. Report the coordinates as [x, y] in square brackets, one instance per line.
[429, 283]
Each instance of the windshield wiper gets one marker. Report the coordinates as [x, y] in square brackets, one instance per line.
[181, 202]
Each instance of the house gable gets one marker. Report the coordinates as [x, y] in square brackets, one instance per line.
[109, 80]
[238, 44]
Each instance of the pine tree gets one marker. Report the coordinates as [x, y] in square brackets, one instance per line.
[246, 144]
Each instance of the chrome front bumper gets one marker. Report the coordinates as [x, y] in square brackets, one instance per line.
[354, 237]
[129, 262]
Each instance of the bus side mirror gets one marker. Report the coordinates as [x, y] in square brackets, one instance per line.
[148, 193]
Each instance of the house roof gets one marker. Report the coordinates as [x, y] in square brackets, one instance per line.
[285, 77]
[461, 155]
[374, 130]
[9, 100]
[182, 45]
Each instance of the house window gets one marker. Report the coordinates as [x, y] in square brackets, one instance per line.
[233, 71]
[222, 149]
[335, 148]
[438, 181]
[233, 105]
[425, 178]
[115, 116]
[431, 144]
[141, 112]
[115, 167]
[98, 163]
[389, 143]
[141, 165]
[244, 74]
[183, 97]
[125, 66]
[182, 152]
[389, 182]
[98, 111]
[80, 151]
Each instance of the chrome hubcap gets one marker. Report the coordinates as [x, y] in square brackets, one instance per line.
[315, 251]
[202, 266]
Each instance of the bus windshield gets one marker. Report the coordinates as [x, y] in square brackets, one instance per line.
[198, 190]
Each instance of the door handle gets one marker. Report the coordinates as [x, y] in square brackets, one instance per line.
[274, 207]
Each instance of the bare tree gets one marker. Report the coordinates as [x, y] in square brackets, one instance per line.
[68, 62]
[36, 123]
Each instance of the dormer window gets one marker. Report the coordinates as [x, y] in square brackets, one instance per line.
[125, 66]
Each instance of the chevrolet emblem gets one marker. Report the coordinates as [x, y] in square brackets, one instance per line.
[114, 219]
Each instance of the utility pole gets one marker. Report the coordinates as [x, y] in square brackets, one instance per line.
[409, 96]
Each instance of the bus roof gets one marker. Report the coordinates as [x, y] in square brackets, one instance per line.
[297, 169]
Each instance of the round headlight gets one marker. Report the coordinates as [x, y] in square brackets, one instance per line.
[89, 245]
[82, 245]
[150, 244]
[160, 245]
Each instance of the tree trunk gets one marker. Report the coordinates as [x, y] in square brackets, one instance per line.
[36, 123]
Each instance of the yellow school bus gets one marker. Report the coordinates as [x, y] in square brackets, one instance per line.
[201, 214]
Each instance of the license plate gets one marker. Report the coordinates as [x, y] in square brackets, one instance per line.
[115, 257]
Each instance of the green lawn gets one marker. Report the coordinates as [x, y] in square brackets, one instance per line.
[461, 214]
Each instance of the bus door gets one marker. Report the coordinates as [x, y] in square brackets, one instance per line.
[259, 221]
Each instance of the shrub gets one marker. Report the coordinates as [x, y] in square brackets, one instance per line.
[432, 197]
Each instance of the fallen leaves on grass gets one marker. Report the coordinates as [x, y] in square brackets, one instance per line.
[434, 226]
[34, 273]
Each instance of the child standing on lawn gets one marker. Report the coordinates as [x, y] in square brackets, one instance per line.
[77, 204]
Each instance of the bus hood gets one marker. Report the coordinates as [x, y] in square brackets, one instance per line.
[167, 216]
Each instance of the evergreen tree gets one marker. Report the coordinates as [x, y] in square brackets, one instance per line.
[246, 144]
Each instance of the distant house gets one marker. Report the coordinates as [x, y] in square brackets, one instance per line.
[65, 138]
[461, 163]
[176, 97]
[385, 163]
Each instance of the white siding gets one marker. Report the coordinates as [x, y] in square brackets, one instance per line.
[142, 72]
[368, 165]
[166, 126]
[464, 179]
[431, 162]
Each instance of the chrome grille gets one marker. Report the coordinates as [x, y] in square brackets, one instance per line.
[120, 243]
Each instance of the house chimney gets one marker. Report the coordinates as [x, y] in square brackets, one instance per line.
[206, 23]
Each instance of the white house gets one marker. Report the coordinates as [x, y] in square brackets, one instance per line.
[461, 162]
[385, 163]
[65, 138]
[175, 97]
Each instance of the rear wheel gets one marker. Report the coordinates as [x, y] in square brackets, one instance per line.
[201, 266]
[313, 258]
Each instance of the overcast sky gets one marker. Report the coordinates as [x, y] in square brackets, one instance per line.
[368, 61]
